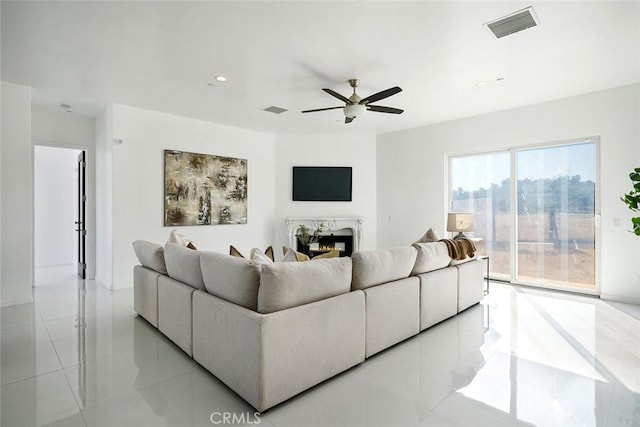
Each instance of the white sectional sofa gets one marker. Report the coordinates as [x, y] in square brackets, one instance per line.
[270, 332]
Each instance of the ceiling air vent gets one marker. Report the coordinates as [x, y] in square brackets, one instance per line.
[275, 110]
[517, 21]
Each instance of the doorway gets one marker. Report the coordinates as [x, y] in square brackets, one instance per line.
[56, 209]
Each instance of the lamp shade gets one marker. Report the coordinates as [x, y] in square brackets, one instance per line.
[460, 222]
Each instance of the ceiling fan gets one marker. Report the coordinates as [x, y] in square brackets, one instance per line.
[355, 106]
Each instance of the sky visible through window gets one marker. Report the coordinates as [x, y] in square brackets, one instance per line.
[540, 163]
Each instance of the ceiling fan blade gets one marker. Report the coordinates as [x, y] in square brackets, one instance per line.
[380, 95]
[348, 119]
[381, 109]
[337, 95]
[321, 109]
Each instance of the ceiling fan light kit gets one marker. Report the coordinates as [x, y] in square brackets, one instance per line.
[354, 110]
[355, 106]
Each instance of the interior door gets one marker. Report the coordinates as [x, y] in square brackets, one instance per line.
[80, 223]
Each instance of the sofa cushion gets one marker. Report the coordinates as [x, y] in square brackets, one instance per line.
[231, 278]
[183, 265]
[431, 256]
[150, 255]
[290, 284]
[371, 268]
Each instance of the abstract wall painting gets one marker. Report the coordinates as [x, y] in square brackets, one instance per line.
[203, 189]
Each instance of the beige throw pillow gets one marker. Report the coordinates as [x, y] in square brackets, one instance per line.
[234, 252]
[431, 235]
[292, 256]
[331, 254]
[259, 258]
[175, 237]
[268, 252]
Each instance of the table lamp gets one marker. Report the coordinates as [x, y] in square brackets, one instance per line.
[460, 222]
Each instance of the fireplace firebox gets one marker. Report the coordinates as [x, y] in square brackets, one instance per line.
[342, 243]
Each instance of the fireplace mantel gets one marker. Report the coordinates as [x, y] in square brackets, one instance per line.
[329, 225]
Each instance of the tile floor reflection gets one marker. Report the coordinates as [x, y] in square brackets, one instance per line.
[79, 356]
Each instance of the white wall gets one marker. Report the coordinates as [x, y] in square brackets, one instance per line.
[357, 151]
[104, 198]
[61, 128]
[55, 205]
[16, 182]
[138, 182]
[412, 175]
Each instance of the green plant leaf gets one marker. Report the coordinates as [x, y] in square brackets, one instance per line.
[632, 199]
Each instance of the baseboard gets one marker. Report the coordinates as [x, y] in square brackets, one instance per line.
[67, 264]
[618, 298]
[10, 302]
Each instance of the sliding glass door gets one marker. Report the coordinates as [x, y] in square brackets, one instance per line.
[536, 209]
[481, 184]
[556, 202]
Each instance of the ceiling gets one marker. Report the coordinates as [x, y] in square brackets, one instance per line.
[163, 55]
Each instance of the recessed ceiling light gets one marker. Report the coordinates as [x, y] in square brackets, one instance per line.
[482, 83]
[500, 80]
[221, 78]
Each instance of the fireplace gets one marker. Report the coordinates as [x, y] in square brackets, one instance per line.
[328, 242]
[343, 234]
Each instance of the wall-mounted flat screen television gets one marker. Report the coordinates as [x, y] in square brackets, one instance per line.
[322, 183]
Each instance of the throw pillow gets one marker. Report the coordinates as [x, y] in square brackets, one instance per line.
[234, 252]
[292, 256]
[150, 255]
[431, 235]
[175, 237]
[259, 258]
[268, 252]
[331, 254]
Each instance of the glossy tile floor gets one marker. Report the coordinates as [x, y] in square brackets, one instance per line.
[79, 356]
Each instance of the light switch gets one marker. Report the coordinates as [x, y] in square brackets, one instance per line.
[616, 222]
